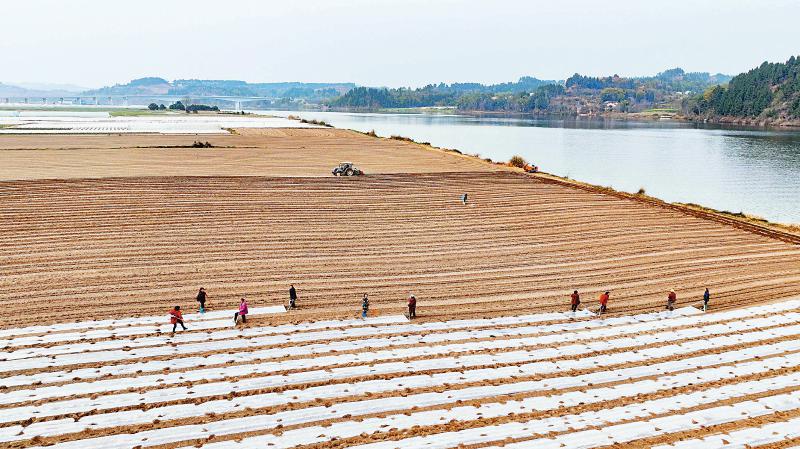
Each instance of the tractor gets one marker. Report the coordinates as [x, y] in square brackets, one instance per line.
[347, 169]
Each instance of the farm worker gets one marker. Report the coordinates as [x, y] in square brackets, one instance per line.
[576, 300]
[364, 306]
[706, 297]
[464, 199]
[241, 313]
[671, 298]
[201, 298]
[176, 317]
[604, 302]
[412, 306]
[292, 297]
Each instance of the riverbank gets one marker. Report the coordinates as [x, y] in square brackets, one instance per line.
[751, 222]
[775, 123]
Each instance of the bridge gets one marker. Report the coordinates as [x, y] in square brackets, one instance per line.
[127, 100]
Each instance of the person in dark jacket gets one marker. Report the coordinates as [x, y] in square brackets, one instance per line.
[292, 297]
[201, 298]
[412, 307]
[706, 297]
[364, 306]
[575, 299]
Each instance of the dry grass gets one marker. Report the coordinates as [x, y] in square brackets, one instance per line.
[517, 161]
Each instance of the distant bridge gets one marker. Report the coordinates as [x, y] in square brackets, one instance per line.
[124, 100]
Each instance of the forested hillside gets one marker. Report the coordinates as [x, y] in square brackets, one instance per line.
[770, 91]
[578, 94]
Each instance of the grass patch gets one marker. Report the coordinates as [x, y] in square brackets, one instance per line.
[660, 111]
[316, 122]
[136, 112]
[402, 138]
[517, 161]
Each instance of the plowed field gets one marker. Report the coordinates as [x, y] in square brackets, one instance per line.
[115, 247]
[252, 152]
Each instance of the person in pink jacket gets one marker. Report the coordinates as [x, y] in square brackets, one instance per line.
[241, 313]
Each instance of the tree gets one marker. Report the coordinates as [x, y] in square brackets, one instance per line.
[152, 106]
[612, 94]
[177, 106]
[161, 107]
[201, 107]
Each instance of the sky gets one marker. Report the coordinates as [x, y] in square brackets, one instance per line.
[93, 43]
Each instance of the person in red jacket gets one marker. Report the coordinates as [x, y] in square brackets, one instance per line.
[412, 307]
[604, 302]
[176, 318]
[575, 300]
[671, 298]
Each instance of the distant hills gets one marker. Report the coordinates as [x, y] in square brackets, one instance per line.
[38, 89]
[228, 88]
[770, 92]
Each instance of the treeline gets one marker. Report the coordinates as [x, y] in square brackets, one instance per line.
[771, 90]
[537, 101]
[672, 80]
[374, 98]
[578, 94]
[431, 95]
[179, 106]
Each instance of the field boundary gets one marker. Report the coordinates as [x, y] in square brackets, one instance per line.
[770, 230]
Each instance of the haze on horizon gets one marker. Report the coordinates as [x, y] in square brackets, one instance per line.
[386, 42]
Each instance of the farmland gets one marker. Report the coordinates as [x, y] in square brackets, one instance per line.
[101, 235]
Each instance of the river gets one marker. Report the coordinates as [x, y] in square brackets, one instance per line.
[754, 171]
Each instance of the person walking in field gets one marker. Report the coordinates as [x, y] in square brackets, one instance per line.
[241, 313]
[575, 300]
[706, 297]
[201, 298]
[671, 298]
[412, 307]
[176, 318]
[364, 306]
[464, 199]
[292, 297]
[604, 302]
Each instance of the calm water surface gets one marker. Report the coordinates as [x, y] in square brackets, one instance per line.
[748, 170]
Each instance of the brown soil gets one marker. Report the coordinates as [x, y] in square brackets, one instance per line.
[272, 152]
[115, 247]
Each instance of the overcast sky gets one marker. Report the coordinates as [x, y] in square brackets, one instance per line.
[386, 42]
